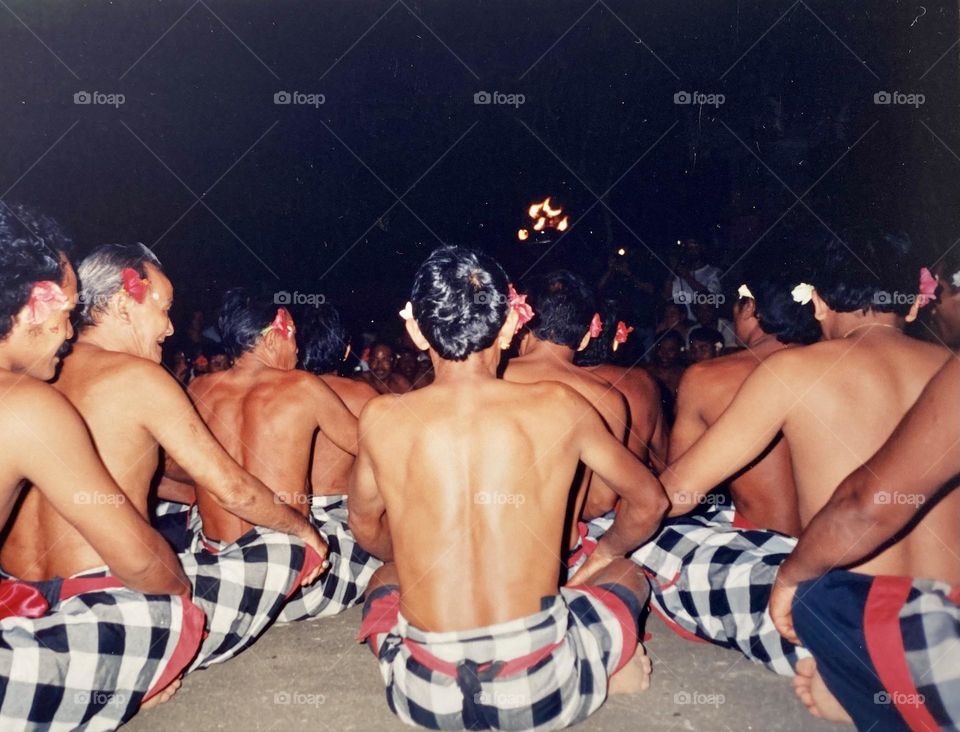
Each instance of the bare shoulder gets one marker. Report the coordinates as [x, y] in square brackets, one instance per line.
[28, 401]
[353, 393]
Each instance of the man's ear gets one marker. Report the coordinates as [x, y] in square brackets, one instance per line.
[584, 342]
[119, 306]
[509, 329]
[413, 330]
[820, 309]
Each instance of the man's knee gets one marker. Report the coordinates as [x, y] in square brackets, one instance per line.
[626, 574]
[386, 575]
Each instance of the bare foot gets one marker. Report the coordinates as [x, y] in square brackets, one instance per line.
[816, 697]
[634, 677]
[164, 695]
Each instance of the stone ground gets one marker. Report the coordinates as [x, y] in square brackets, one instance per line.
[313, 676]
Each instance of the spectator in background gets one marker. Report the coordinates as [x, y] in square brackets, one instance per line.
[382, 375]
[667, 367]
[708, 316]
[705, 344]
[693, 278]
[217, 358]
[673, 316]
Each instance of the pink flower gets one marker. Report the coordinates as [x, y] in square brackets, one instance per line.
[623, 331]
[134, 285]
[928, 287]
[282, 324]
[596, 326]
[45, 297]
[518, 303]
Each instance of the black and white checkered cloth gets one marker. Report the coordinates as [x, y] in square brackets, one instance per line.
[714, 582]
[92, 658]
[343, 584]
[543, 672]
[241, 586]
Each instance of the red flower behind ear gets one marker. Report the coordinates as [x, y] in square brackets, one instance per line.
[45, 297]
[623, 331]
[596, 326]
[282, 324]
[134, 285]
[928, 287]
[518, 303]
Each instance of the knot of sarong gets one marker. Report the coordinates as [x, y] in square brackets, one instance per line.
[470, 677]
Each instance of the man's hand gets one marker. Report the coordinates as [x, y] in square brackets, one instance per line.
[599, 560]
[781, 606]
[311, 537]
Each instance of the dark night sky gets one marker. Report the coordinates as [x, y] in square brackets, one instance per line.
[312, 192]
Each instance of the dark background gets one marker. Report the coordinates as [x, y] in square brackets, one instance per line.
[298, 198]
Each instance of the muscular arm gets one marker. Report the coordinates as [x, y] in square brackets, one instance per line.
[175, 424]
[744, 430]
[858, 520]
[689, 425]
[57, 456]
[368, 512]
[642, 502]
[612, 407]
[333, 417]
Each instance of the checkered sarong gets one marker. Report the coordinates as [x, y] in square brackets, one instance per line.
[712, 581]
[542, 672]
[241, 586]
[93, 656]
[343, 584]
[590, 533]
[887, 647]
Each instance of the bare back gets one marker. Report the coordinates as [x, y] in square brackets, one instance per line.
[330, 470]
[488, 469]
[266, 421]
[764, 492]
[592, 497]
[643, 403]
[104, 387]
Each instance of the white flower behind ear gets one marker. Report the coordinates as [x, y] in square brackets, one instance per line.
[744, 291]
[955, 279]
[407, 312]
[802, 293]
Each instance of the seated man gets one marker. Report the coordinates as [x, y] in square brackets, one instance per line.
[767, 321]
[646, 438]
[132, 407]
[88, 649]
[886, 638]
[265, 413]
[564, 321]
[836, 402]
[466, 621]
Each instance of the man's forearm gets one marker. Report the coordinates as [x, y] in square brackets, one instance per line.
[256, 504]
[633, 526]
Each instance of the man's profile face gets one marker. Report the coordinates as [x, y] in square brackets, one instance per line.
[946, 314]
[151, 318]
[381, 362]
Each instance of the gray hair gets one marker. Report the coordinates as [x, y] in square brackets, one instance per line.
[100, 275]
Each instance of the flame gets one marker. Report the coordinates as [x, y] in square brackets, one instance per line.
[551, 212]
[534, 209]
[564, 223]
[523, 234]
[541, 222]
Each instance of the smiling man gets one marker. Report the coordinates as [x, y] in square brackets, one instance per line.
[133, 407]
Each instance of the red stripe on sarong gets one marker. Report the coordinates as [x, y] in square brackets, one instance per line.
[380, 618]
[191, 636]
[741, 522]
[881, 629]
[623, 615]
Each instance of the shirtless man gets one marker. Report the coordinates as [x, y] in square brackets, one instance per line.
[766, 320]
[324, 345]
[564, 309]
[891, 510]
[647, 436]
[467, 622]
[146, 597]
[265, 413]
[836, 402]
[132, 407]
[382, 375]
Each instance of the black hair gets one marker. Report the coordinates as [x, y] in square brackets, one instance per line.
[771, 276]
[600, 349]
[671, 335]
[703, 334]
[867, 269]
[563, 306]
[243, 317]
[323, 339]
[459, 301]
[32, 249]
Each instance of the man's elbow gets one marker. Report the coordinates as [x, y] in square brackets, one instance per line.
[234, 495]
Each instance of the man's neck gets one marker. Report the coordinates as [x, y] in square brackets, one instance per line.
[760, 342]
[250, 363]
[105, 338]
[548, 352]
[480, 366]
[844, 324]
